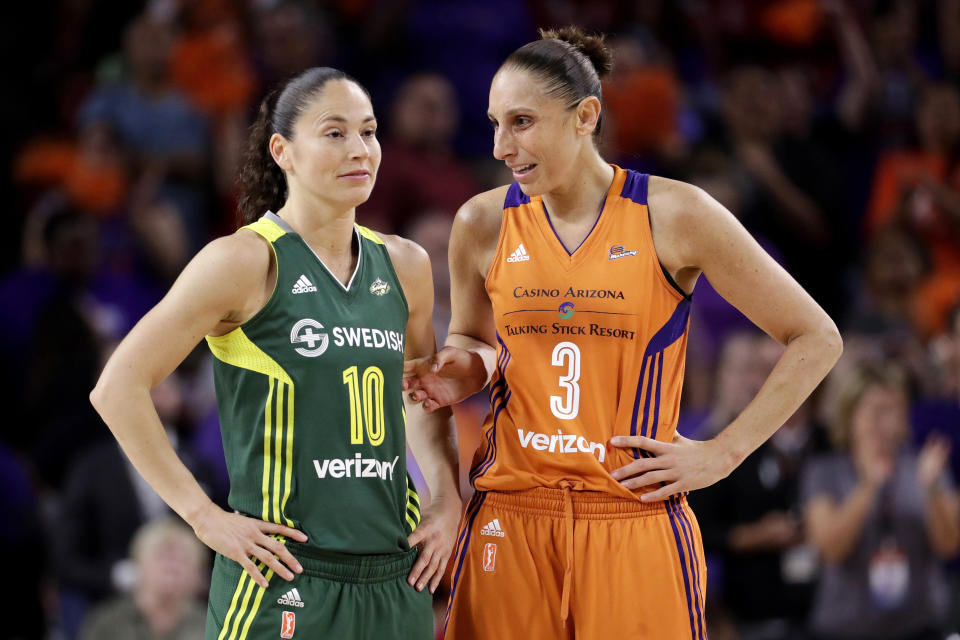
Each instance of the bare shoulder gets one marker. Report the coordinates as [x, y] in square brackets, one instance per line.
[408, 257]
[673, 199]
[244, 254]
[684, 219]
[481, 215]
[230, 274]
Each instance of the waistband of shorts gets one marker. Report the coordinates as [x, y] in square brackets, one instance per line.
[587, 505]
[357, 569]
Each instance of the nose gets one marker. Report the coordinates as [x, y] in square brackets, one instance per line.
[503, 144]
[358, 147]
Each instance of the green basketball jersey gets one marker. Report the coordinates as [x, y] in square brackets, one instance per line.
[310, 403]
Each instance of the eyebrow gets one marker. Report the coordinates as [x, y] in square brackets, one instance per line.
[343, 120]
[511, 112]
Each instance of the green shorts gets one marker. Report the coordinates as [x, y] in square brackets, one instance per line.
[336, 596]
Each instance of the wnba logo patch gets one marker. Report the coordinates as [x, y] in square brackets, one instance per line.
[489, 556]
[288, 625]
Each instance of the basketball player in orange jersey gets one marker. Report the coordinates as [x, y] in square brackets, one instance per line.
[570, 293]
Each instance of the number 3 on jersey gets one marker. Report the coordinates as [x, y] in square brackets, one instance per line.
[567, 407]
[368, 410]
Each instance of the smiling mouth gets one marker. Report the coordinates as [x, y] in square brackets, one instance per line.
[355, 174]
[522, 169]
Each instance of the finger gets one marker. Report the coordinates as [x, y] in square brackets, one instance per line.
[288, 532]
[267, 558]
[282, 552]
[661, 494]
[416, 366]
[647, 479]
[252, 570]
[417, 536]
[640, 442]
[637, 466]
[438, 566]
[411, 383]
[430, 405]
[423, 560]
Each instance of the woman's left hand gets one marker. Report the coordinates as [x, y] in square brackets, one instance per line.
[436, 536]
[681, 465]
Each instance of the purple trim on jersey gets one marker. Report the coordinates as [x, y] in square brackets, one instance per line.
[687, 531]
[595, 222]
[475, 503]
[494, 393]
[656, 403]
[635, 187]
[491, 454]
[684, 570]
[663, 338]
[515, 197]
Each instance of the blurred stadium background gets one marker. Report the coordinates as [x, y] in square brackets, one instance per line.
[830, 128]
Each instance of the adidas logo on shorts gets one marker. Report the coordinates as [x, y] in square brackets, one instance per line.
[303, 286]
[519, 255]
[291, 599]
[493, 528]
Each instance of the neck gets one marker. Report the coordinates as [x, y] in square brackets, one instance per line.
[581, 196]
[322, 224]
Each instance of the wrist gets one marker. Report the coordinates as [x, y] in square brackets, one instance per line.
[478, 366]
[728, 453]
[197, 515]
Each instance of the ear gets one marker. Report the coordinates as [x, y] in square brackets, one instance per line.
[279, 149]
[588, 113]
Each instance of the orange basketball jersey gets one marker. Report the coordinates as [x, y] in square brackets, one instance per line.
[591, 344]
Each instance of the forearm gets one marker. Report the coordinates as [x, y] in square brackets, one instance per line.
[485, 354]
[836, 535]
[805, 362]
[129, 413]
[942, 519]
[433, 440]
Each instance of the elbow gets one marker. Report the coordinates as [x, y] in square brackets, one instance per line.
[832, 343]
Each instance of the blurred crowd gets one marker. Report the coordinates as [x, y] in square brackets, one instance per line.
[830, 128]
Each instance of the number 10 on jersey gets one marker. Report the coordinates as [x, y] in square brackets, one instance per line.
[566, 407]
[366, 408]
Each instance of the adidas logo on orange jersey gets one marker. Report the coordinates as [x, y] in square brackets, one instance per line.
[519, 255]
[493, 528]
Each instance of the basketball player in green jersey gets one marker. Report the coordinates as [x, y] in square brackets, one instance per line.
[309, 317]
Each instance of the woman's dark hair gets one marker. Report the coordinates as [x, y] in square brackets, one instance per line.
[569, 62]
[263, 186]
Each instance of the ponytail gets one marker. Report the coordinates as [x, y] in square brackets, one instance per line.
[263, 185]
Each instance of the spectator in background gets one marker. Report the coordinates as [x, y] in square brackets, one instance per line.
[171, 565]
[104, 503]
[750, 521]
[167, 137]
[420, 170]
[918, 188]
[882, 518]
[290, 36]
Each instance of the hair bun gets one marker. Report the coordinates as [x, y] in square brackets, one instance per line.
[593, 47]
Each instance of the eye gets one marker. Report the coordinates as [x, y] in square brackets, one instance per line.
[369, 133]
[334, 134]
[523, 121]
[494, 124]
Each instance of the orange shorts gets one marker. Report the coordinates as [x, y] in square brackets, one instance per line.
[552, 563]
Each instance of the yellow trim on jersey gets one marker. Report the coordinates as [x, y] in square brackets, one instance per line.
[256, 607]
[413, 506]
[289, 470]
[242, 612]
[233, 604]
[278, 440]
[269, 229]
[368, 234]
[267, 423]
[237, 349]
